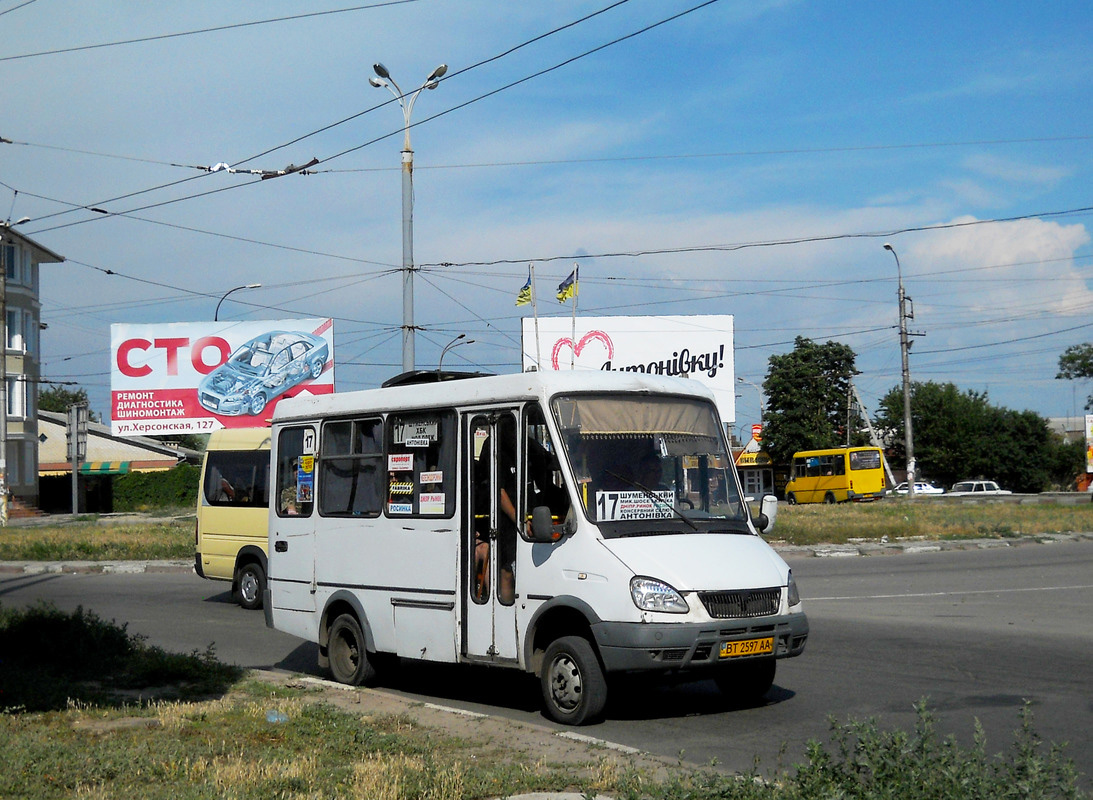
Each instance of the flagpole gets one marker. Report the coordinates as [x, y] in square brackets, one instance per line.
[535, 315]
[573, 318]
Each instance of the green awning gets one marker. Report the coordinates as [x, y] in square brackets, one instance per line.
[104, 467]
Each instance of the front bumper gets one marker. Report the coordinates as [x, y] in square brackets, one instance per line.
[218, 404]
[643, 647]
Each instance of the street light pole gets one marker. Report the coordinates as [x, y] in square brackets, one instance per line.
[406, 102]
[904, 347]
[762, 411]
[216, 314]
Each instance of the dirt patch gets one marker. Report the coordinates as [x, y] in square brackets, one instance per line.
[104, 726]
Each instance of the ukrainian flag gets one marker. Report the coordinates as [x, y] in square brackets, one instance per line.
[568, 287]
[524, 297]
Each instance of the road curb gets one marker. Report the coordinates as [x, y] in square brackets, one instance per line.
[92, 567]
[884, 547]
[854, 549]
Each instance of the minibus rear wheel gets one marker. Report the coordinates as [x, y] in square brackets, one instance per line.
[573, 684]
[250, 584]
[348, 657]
[829, 499]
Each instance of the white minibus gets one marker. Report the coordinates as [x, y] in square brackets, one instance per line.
[571, 525]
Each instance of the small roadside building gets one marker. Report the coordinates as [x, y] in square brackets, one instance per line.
[758, 474]
[107, 457]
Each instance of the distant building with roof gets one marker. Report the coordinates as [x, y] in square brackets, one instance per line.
[107, 456]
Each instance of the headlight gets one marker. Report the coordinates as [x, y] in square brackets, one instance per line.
[793, 596]
[654, 595]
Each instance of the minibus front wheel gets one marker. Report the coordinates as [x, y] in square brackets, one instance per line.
[348, 657]
[572, 680]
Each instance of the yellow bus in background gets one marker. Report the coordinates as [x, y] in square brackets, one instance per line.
[232, 533]
[836, 475]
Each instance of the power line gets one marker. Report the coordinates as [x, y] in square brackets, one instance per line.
[16, 8]
[163, 36]
[727, 154]
[95, 207]
[733, 247]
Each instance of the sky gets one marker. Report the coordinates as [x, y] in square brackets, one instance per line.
[693, 157]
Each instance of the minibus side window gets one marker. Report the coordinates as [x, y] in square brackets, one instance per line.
[237, 478]
[351, 468]
[421, 451]
[295, 472]
[543, 474]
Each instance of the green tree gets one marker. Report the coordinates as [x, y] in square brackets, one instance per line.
[807, 399]
[960, 435]
[1076, 363]
[58, 398]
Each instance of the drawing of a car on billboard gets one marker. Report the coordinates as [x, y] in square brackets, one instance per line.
[264, 368]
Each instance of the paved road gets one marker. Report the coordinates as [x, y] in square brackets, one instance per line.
[976, 632]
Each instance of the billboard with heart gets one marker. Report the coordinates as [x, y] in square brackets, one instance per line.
[698, 347]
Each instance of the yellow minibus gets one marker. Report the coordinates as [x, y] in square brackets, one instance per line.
[836, 475]
[232, 530]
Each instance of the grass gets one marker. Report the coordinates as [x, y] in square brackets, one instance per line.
[895, 519]
[116, 722]
[93, 538]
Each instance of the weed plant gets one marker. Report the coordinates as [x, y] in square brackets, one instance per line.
[50, 659]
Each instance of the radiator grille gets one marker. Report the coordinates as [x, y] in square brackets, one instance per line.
[741, 604]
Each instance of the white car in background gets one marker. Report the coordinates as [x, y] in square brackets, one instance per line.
[921, 487]
[977, 488]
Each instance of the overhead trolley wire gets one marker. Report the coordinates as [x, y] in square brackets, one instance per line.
[162, 36]
[460, 106]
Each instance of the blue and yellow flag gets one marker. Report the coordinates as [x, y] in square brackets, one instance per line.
[568, 287]
[524, 297]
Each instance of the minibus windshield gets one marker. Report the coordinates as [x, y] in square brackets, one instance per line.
[649, 465]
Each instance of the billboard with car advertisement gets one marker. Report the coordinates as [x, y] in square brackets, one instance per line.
[698, 347]
[195, 377]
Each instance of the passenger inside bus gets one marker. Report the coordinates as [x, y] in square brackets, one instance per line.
[507, 524]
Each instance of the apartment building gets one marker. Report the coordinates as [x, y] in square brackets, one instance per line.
[20, 313]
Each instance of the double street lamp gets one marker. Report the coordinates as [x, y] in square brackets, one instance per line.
[384, 80]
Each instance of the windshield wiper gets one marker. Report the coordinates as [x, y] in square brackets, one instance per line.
[652, 496]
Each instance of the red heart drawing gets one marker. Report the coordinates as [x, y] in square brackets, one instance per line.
[600, 336]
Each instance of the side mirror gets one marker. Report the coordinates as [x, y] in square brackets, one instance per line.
[543, 528]
[768, 512]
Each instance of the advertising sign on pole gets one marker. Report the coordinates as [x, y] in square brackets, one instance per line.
[698, 347]
[195, 377]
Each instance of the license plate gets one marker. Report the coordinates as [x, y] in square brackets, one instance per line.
[748, 647]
